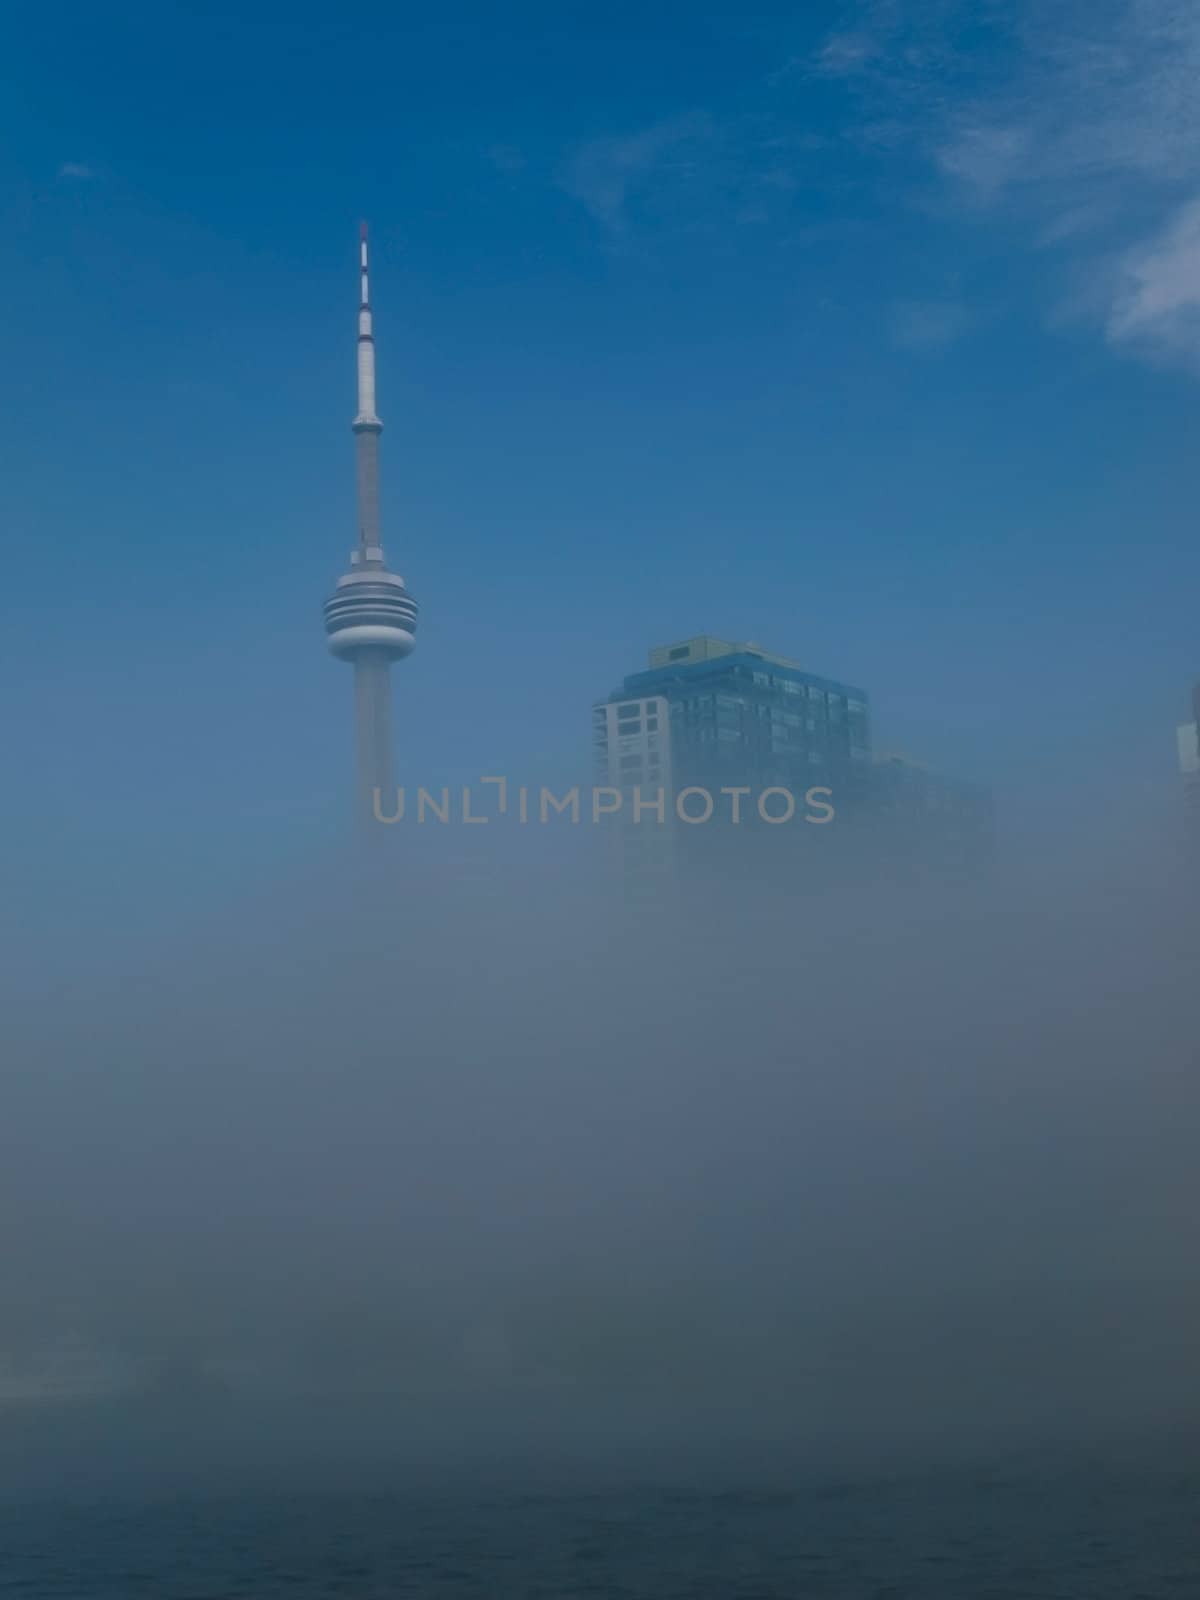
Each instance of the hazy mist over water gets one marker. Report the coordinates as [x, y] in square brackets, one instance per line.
[438, 1214]
[411, 1164]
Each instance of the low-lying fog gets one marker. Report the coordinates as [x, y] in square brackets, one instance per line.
[419, 1166]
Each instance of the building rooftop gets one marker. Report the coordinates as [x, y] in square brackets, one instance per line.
[704, 647]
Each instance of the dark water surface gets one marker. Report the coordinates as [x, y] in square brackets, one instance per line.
[1077, 1532]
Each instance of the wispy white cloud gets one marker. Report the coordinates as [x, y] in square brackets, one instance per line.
[1074, 125]
[1156, 300]
[76, 169]
[1076, 222]
[609, 175]
[1079, 123]
[927, 326]
[844, 54]
[1096, 93]
[986, 159]
[893, 51]
[693, 172]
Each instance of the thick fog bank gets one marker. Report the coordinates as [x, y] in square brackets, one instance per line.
[499, 1163]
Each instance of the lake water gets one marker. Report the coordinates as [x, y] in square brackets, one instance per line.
[1083, 1530]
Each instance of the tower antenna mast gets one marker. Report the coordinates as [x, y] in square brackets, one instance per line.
[370, 618]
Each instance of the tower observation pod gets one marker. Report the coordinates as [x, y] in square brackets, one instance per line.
[370, 618]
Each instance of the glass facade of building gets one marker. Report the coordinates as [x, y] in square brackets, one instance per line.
[713, 715]
[746, 717]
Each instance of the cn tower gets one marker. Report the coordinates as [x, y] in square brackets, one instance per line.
[370, 618]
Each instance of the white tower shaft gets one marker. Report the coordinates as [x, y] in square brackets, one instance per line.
[373, 731]
[370, 618]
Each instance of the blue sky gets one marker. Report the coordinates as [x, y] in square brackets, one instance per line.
[869, 333]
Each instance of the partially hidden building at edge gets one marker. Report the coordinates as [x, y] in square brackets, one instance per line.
[712, 714]
[370, 618]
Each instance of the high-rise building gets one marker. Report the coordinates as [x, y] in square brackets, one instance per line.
[713, 714]
[370, 618]
[736, 709]
[632, 749]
